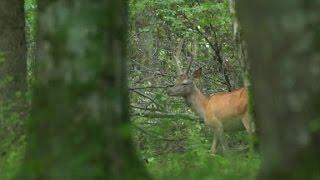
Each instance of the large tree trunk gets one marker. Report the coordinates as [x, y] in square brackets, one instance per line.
[13, 68]
[12, 48]
[79, 125]
[284, 50]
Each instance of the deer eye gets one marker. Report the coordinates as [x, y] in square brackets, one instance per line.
[185, 83]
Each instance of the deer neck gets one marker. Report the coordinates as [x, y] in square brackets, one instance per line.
[197, 102]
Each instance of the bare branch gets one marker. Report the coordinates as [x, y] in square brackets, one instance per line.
[150, 98]
[215, 48]
[149, 87]
[166, 115]
[143, 108]
[155, 135]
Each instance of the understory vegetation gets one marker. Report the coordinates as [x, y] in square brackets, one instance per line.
[117, 89]
[180, 149]
[170, 139]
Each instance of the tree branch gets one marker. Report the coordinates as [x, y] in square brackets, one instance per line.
[158, 137]
[166, 115]
[150, 98]
[149, 87]
[215, 48]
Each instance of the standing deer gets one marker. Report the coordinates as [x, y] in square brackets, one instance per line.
[223, 111]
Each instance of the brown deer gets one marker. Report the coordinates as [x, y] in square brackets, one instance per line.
[224, 111]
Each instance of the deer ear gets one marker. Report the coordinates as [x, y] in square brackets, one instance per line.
[197, 73]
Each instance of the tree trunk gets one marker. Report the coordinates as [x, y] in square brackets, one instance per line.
[79, 126]
[13, 68]
[283, 40]
[12, 48]
[242, 57]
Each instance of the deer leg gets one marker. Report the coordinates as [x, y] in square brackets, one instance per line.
[214, 144]
[218, 138]
[249, 126]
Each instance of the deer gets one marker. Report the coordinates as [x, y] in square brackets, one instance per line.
[223, 111]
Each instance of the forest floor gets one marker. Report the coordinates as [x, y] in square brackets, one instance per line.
[202, 165]
[197, 163]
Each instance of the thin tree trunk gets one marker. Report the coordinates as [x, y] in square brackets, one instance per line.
[284, 51]
[79, 125]
[242, 57]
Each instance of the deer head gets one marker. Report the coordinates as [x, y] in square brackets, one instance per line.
[184, 84]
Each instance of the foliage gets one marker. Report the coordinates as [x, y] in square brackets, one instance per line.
[179, 149]
[200, 165]
[173, 147]
[11, 161]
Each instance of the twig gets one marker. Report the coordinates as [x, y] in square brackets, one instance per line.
[150, 98]
[149, 87]
[142, 108]
[215, 48]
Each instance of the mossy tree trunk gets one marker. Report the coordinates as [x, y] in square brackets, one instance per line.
[242, 57]
[79, 125]
[284, 50]
[12, 48]
[13, 67]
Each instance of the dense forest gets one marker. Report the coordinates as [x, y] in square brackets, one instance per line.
[159, 89]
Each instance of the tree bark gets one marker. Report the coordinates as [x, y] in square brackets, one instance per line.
[13, 67]
[284, 52]
[12, 48]
[242, 57]
[79, 126]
